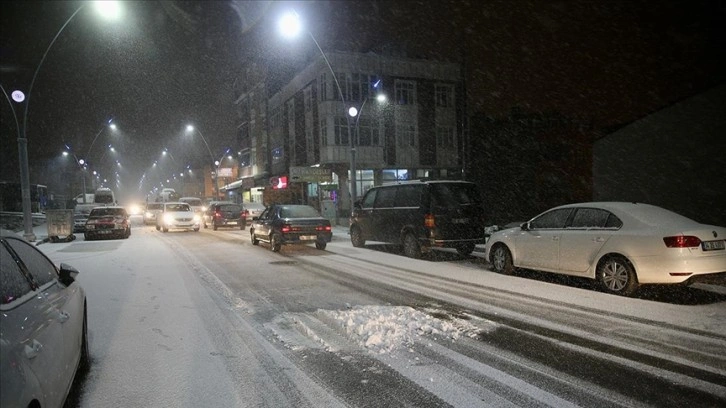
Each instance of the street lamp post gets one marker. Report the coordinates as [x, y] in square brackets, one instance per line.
[191, 128]
[217, 163]
[290, 26]
[357, 113]
[105, 7]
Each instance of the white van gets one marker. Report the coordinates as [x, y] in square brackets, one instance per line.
[104, 196]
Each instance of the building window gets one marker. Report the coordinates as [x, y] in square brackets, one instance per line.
[406, 135]
[308, 99]
[275, 117]
[341, 131]
[368, 134]
[445, 137]
[444, 95]
[405, 92]
[309, 142]
[323, 87]
[323, 132]
[244, 158]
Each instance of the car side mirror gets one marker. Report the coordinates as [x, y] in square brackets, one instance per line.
[67, 274]
[358, 203]
[525, 226]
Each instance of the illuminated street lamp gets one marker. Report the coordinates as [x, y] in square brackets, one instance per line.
[290, 26]
[107, 9]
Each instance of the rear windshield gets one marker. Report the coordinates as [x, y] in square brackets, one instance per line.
[195, 202]
[298, 211]
[455, 194]
[154, 206]
[102, 212]
[230, 207]
[103, 199]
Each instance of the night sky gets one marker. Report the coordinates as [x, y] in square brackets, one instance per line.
[166, 64]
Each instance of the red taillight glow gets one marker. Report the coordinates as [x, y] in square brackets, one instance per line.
[429, 221]
[289, 228]
[217, 215]
[323, 228]
[682, 241]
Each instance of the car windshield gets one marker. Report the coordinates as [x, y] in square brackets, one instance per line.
[298, 211]
[154, 206]
[178, 207]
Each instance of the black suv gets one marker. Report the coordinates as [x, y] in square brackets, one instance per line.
[421, 215]
[226, 215]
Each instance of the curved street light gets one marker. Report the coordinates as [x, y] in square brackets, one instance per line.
[105, 8]
[290, 25]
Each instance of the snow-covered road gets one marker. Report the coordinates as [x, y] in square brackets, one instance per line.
[207, 319]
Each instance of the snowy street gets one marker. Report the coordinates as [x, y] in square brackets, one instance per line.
[190, 319]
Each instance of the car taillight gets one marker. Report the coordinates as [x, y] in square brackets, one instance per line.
[286, 228]
[323, 228]
[246, 213]
[217, 215]
[429, 221]
[682, 241]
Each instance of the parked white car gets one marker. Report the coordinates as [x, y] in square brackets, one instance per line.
[44, 336]
[622, 245]
[177, 215]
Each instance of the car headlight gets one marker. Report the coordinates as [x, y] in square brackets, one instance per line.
[168, 219]
[204, 209]
[196, 218]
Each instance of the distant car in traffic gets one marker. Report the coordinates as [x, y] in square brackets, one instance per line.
[177, 215]
[284, 224]
[79, 220]
[208, 214]
[225, 215]
[252, 210]
[44, 341]
[107, 222]
[621, 245]
[152, 210]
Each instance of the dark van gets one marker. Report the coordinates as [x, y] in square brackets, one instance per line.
[421, 215]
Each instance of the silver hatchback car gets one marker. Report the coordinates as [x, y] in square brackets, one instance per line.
[44, 335]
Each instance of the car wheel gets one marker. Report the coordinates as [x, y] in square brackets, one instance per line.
[204, 224]
[253, 238]
[411, 247]
[320, 244]
[158, 228]
[501, 260]
[164, 229]
[356, 237]
[86, 237]
[465, 249]
[275, 243]
[195, 229]
[214, 226]
[85, 362]
[242, 226]
[616, 275]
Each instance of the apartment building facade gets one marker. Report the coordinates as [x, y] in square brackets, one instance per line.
[414, 131]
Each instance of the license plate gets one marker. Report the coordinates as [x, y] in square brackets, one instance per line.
[713, 245]
[308, 238]
[104, 232]
[231, 222]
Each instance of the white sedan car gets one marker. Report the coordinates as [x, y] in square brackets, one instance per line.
[622, 245]
[44, 332]
[177, 215]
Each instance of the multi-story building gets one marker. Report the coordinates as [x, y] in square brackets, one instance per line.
[417, 132]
